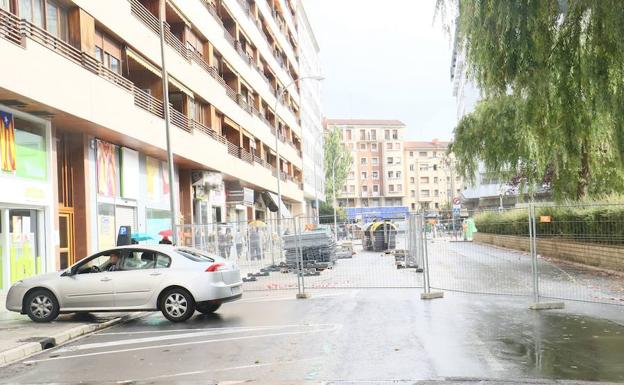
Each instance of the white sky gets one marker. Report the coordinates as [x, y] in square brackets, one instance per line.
[385, 59]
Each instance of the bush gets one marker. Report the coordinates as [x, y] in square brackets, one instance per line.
[589, 222]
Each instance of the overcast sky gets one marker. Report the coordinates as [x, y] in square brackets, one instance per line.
[385, 59]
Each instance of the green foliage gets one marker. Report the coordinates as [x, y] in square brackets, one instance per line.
[588, 222]
[326, 213]
[551, 73]
[334, 149]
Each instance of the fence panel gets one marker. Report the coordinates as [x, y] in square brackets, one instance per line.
[459, 263]
[580, 251]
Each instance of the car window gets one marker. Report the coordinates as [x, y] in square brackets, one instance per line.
[144, 259]
[98, 263]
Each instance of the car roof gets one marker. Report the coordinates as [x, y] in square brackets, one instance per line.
[147, 247]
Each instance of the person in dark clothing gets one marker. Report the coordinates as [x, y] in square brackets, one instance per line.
[165, 241]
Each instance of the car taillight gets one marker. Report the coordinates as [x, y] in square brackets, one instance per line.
[215, 267]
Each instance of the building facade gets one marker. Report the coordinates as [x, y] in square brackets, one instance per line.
[376, 175]
[430, 176]
[83, 134]
[311, 116]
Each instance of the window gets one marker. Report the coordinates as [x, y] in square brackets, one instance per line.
[399, 187]
[413, 193]
[362, 146]
[364, 175]
[398, 174]
[364, 188]
[375, 188]
[351, 175]
[373, 146]
[391, 188]
[56, 20]
[389, 145]
[362, 160]
[373, 135]
[424, 179]
[436, 193]
[390, 160]
[395, 134]
[435, 167]
[362, 135]
[387, 134]
[437, 205]
[375, 161]
[424, 193]
[411, 179]
[390, 174]
[352, 188]
[30, 150]
[32, 10]
[422, 154]
[108, 52]
[375, 175]
[413, 206]
[344, 188]
[348, 134]
[411, 168]
[424, 167]
[411, 153]
[144, 259]
[95, 264]
[435, 154]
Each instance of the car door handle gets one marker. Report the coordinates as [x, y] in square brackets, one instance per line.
[105, 279]
[155, 274]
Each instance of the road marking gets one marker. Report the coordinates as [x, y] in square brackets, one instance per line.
[204, 333]
[206, 329]
[230, 368]
[181, 344]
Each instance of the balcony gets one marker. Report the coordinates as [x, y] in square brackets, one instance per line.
[141, 13]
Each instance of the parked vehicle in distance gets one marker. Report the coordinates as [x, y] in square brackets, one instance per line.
[174, 280]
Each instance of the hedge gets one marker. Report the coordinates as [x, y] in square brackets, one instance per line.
[588, 223]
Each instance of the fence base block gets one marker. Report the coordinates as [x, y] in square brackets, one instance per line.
[547, 306]
[432, 295]
[303, 295]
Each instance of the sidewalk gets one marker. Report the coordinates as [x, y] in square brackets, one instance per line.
[20, 337]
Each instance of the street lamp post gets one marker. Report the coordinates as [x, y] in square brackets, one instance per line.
[165, 86]
[334, 189]
[277, 154]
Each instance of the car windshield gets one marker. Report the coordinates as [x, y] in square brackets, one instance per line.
[194, 255]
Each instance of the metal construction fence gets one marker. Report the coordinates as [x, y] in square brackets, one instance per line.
[554, 252]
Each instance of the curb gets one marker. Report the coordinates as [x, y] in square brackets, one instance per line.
[12, 355]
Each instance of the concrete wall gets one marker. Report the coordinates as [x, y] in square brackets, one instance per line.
[591, 254]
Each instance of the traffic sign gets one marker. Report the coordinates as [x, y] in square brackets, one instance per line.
[456, 200]
[456, 211]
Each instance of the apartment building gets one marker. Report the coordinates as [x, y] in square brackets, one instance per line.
[430, 178]
[83, 132]
[376, 176]
[311, 116]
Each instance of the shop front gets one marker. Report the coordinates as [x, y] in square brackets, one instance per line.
[27, 235]
[132, 189]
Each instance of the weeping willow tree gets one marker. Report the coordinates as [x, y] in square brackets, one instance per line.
[551, 74]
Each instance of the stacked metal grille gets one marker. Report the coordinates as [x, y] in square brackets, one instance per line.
[317, 247]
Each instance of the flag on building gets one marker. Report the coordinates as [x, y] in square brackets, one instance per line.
[7, 141]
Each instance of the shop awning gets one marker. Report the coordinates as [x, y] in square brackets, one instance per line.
[271, 201]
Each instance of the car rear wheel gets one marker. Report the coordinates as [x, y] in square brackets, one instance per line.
[42, 306]
[208, 308]
[177, 305]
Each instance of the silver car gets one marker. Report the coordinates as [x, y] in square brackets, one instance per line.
[174, 280]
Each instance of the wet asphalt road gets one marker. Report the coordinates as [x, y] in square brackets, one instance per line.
[358, 334]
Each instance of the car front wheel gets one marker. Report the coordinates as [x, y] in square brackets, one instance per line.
[177, 305]
[208, 308]
[42, 306]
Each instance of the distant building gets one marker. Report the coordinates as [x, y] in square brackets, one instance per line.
[376, 176]
[430, 178]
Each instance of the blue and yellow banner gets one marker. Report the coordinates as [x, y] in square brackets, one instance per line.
[7, 142]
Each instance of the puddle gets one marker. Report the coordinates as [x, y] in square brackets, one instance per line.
[559, 346]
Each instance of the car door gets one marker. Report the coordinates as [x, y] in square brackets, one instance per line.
[141, 272]
[91, 285]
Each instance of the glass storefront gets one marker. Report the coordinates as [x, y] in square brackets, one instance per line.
[20, 252]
